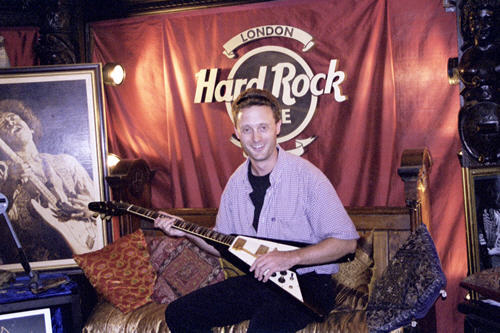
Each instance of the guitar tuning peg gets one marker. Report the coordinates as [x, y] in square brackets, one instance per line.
[95, 215]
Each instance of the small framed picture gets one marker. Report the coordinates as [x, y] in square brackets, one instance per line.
[27, 321]
[482, 208]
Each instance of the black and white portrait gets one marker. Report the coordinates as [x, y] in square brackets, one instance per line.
[49, 166]
[487, 190]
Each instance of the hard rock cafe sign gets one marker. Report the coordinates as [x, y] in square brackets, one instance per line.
[279, 70]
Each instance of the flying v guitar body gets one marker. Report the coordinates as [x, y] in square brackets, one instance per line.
[248, 249]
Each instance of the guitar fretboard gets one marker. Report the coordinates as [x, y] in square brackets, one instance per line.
[181, 224]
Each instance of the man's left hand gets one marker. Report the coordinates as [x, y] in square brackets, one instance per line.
[75, 209]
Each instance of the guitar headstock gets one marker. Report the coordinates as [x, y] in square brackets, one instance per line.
[108, 208]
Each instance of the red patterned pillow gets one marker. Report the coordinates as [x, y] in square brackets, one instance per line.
[121, 271]
[181, 268]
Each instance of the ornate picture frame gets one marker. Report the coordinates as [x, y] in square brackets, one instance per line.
[49, 178]
[482, 213]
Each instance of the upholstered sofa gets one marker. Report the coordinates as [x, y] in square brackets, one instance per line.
[393, 281]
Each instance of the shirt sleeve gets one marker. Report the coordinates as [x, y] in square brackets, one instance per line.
[223, 221]
[327, 213]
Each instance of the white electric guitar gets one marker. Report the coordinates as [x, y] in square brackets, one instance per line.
[246, 249]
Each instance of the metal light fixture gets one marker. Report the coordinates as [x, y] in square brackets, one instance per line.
[450, 5]
[453, 75]
[113, 74]
[112, 161]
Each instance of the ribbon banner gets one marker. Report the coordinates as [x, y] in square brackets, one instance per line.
[267, 31]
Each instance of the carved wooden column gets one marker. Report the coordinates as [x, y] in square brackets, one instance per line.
[479, 129]
[61, 31]
[479, 71]
[414, 170]
[130, 181]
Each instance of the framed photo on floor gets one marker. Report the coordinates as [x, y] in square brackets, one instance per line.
[52, 163]
[482, 208]
[27, 321]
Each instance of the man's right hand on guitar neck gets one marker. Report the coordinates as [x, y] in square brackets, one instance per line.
[165, 223]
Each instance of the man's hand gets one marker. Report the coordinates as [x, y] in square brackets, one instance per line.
[80, 208]
[165, 224]
[494, 251]
[327, 250]
[23, 172]
[275, 261]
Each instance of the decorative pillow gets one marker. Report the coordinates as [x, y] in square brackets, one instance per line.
[181, 268]
[409, 285]
[354, 277]
[121, 271]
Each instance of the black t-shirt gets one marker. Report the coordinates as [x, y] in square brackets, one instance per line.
[260, 184]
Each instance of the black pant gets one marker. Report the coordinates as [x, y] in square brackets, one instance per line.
[269, 308]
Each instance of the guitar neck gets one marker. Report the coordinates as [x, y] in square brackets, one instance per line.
[183, 225]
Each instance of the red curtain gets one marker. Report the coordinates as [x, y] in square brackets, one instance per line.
[394, 54]
[19, 44]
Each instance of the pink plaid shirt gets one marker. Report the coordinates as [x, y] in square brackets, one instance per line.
[301, 205]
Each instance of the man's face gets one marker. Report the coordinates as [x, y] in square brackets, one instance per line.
[13, 130]
[258, 132]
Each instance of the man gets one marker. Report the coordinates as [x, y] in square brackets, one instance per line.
[275, 195]
[48, 194]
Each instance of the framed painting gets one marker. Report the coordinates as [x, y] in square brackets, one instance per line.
[27, 321]
[52, 163]
[482, 210]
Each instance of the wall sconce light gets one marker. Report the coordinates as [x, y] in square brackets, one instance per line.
[112, 161]
[450, 5]
[113, 74]
[453, 75]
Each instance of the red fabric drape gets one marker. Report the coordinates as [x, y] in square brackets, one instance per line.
[19, 44]
[394, 54]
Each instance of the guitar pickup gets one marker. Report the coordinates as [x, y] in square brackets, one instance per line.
[262, 250]
[240, 243]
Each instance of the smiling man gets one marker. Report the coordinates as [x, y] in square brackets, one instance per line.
[274, 195]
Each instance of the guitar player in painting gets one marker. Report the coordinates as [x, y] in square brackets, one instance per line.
[273, 195]
[48, 193]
